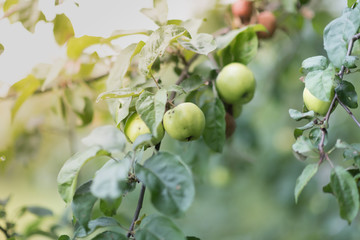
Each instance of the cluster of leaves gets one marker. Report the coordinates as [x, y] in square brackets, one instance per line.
[321, 76]
[164, 174]
[38, 226]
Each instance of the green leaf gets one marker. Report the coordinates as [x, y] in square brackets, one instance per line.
[26, 87]
[158, 227]
[192, 83]
[159, 13]
[349, 61]
[320, 83]
[98, 226]
[341, 144]
[69, 172]
[201, 43]
[169, 181]
[111, 181]
[82, 204]
[347, 94]
[1, 48]
[303, 148]
[109, 207]
[308, 172]
[87, 114]
[313, 64]
[315, 136]
[238, 45]
[346, 193]
[214, 132]
[110, 236]
[107, 137]
[76, 46]
[120, 93]
[156, 45]
[121, 66]
[350, 3]
[63, 29]
[151, 109]
[39, 211]
[338, 33]
[297, 115]
[123, 33]
[192, 238]
[64, 237]
[119, 108]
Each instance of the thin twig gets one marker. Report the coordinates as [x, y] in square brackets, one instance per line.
[137, 211]
[7, 235]
[350, 48]
[349, 112]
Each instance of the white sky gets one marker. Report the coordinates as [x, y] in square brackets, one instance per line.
[23, 50]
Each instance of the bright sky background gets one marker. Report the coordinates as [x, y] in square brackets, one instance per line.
[23, 50]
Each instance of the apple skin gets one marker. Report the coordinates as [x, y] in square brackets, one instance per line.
[236, 84]
[135, 127]
[242, 8]
[185, 122]
[267, 19]
[313, 103]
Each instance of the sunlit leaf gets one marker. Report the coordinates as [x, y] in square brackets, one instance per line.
[338, 33]
[76, 46]
[111, 181]
[308, 172]
[63, 29]
[297, 115]
[201, 43]
[120, 93]
[320, 83]
[107, 137]
[346, 192]
[159, 13]
[121, 65]
[25, 87]
[151, 108]
[156, 45]
[156, 227]
[67, 178]
[313, 64]
[170, 182]
[1, 48]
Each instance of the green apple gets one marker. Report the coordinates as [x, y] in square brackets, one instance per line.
[236, 83]
[313, 103]
[135, 127]
[184, 122]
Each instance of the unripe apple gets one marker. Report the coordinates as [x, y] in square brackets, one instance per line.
[230, 125]
[135, 127]
[313, 103]
[267, 19]
[184, 122]
[236, 84]
[242, 8]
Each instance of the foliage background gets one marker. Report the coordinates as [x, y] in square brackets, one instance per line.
[244, 193]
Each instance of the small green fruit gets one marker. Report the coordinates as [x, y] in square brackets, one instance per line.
[313, 103]
[135, 127]
[236, 83]
[184, 122]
